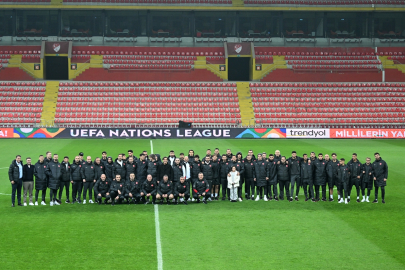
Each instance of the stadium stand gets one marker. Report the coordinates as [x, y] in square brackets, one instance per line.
[151, 2]
[323, 2]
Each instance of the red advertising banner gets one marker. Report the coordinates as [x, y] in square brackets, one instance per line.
[376, 133]
[6, 132]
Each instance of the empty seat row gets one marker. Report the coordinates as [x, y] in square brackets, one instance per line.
[303, 109]
[146, 84]
[329, 85]
[323, 67]
[187, 67]
[100, 109]
[145, 96]
[149, 62]
[365, 57]
[262, 52]
[26, 108]
[165, 121]
[149, 100]
[19, 52]
[330, 62]
[149, 53]
[152, 91]
[204, 2]
[4, 83]
[324, 2]
[328, 92]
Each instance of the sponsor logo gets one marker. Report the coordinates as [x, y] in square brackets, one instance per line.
[367, 133]
[238, 48]
[56, 47]
[307, 133]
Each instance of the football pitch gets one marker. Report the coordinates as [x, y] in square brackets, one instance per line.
[219, 235]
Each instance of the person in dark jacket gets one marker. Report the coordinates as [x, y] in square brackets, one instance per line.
[131, 154]
[119, 168]
[215, 178]
[153, 165]
[164, 169]
[177, 171]
[15, 175]
[380, 173]
[261, 177]
[241, 169]
[141, 168]
[109, 169]
[252, 156]
[76, 180]
[195, 170]
[320, 176]
[99, 168]
[171, 158]
[342, 176]
[229, 156]
[294, 164]
[272, 175]
[53, 171]
[223, 176]
[165, 190]
[88, 173]
[148, 189]
[28, 181]
[206, 169]
[354, 166]
[104, 158]
[102, 188]
[48, 158]
[277, 156]
[40, 179]
[117, 190]
[367, 179]
[130, 167]
[249, 165]
[283, 177]
[132, 190]
[201, 188]
[181, 190]
[307, 178]
[65, 180]
[333, 165]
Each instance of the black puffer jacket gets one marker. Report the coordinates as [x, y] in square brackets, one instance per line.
[14, 171]
[109, 171]
[100, 169]
[201, 186]
[53, 171]
[367, 173]
[195, 168]
[133, 187]
[141, 170]
[207, 171]
[65, 172]
[295, 165]
[75, 172]
[223, 169]
[165, 170]
[380, 169]
[118, 169]
[152, 169]
[320, 172]
[354, 168]
[261, 173]
[283, 172]
[331, 169]
[149, 187]
[130, 168]
[177, 172]
[215, 169]
[88, 172]
[272, 172]
[249, 170]
[165, 187]
[343, 174]
[181, 188]
[40, 176]
[102, 186]
[115, 186]
[307, 172]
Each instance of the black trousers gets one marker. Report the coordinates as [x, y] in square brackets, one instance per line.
[145, 197]
[323, 191]
[16, 188]
[207, 195]
[65, 185]
[185, 197]
[260, 190]
[343, 189]
[250, 185]
[88, 185]
[284, 185]
[308, 188]
[43, 194]
[53, 193]
[354, 182]
[382, 192]
[272, 190]
[103, 195]
[225, 190]
[77, 187]
[114, 195]
[295, 179]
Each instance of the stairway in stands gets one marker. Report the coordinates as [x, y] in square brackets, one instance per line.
[49, 107]
[245, 104]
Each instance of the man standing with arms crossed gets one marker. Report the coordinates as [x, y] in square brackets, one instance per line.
[15, 175]
[294, 163]
[380, 169]
[88, 173]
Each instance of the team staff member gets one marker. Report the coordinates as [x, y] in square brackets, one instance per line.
[117, 190]
[277, 156]
[131, 154]
[153, 165]
[195, 170]
[141, 168]
[109, 169]
[380, 169]
[307, 178]
[249, 177]
[320, 176]
[331, 169]
[40, 179]
[76, 180]
[343, 180]
[367, 179]
[104, 158]
[119, 168]
[148, 189]
[48, 157]
[215, 177]
[283, 177]
[294, 163]
[181, 190]
[130, 167]
[177, 170]
[261, 177]
[99, 168]
[65, 180]
[88, 173]
[201, 188]
[165, 190]
[53, 171]
[355, 171]
[101, 188]
[206, 169]
[15, 175]
[28, 181]
[272, 175]
[223, 176]
[165, 169]
[132, 190]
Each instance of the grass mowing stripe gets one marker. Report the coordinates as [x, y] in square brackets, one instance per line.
[158, 242]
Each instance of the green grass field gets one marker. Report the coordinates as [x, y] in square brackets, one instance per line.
[219, 235]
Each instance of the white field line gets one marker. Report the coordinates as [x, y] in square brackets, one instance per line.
[151, 147]
[158, 242]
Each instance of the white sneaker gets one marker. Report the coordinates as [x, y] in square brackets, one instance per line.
[51, 203]
[363, 200]
[56, 203]
[31, 203]
[253, 197]
[91, 201]
[209, 199]
[189, 199]
[341, 201]
[36, 203]
[346, 201]
[240, 199]
[181, 199]
[265, 198]
[84, 201]
[257, 198]
[25, 204]
[174, 200]
[367, 200]
[43, 203]
[192, 199]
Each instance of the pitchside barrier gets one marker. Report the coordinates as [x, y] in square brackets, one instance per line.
[202, 133]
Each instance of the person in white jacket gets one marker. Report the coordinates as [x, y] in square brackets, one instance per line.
[233, 184]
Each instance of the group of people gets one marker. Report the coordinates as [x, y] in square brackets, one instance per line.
[172, 179]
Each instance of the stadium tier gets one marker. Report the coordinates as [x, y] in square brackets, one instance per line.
[323, 2]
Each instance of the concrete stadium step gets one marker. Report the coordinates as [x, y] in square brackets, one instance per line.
[201, 63]
[50, 99]
[245, 104]
[278, 63]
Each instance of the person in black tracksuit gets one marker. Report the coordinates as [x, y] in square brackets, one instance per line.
[355, 171]
[283, 177]
[206, 169]
[181, 190]
[109, 169]
[223, 174]
[65, 180]
[53, 171]
[294, 164]
[88, 173]
[241, 169]
[141, 169]
[380, 173]
[249, 165]
[117, 190]
[261, 177]
[102, 188]
[165, 190]
[130, 167]
[132, 190]
[215, 178]
[119, 168]
[165, 169]
[333, 165]
[15, 175]
[367, 179]
[99, 168]
[76, 180]
[240, 159]
[307, 178]
[272, 176]
[342, 176]
[149, 189]
[153, 165]
[201, 188]
[40, 179]
[320, 176]
[104, 158]
[177, 171]
[195, 167]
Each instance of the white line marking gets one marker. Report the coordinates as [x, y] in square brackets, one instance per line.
[158, 243]
[5, 194]
[151, 147]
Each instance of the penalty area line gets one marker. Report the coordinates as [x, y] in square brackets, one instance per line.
[158, 242]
